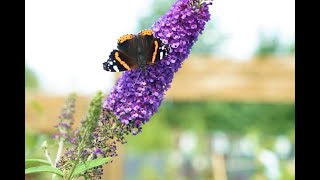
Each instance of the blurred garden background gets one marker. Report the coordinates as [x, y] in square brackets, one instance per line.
[230, 111]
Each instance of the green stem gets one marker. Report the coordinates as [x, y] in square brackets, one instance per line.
[48, 157]
[60, 148]
[46, 152]
[59, 151]
[80, 149]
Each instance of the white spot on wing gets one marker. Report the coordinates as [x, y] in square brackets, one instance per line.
[116, 68]
[161, 54]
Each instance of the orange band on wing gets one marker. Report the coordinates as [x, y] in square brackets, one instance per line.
[146, 32]
[124, 64]
[154, 55]
[125, 38]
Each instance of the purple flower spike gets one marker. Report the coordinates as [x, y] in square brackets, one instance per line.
[66, 119]
[137, 96]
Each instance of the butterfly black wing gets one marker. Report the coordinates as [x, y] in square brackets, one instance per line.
[164, 49]
[137, 46]
[146, 39]
[125, 43]
[157, 51]
[118, 62]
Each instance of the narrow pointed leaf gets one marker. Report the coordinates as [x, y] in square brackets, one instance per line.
[90, 164]
[35, 162]
[39, 169]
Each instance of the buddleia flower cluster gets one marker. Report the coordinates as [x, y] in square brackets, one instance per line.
[135, 96]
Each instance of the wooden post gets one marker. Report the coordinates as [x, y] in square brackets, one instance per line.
[114, 170]
[219, 167]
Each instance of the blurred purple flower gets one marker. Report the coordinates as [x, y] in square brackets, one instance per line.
[136, 97]
[66, 119]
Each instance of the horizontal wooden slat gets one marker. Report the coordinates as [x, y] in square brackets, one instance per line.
[200, 78]
[42, 111]
[208, 78]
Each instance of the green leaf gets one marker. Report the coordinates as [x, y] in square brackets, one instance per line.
[55, 178]
[31, 79]
[89, 164]
[39, 169]
[35, 162]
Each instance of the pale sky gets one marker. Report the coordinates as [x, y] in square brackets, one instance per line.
[68, 40]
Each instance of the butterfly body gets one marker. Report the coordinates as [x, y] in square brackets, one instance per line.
[136, 51]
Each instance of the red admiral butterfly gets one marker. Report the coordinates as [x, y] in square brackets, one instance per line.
[136, 51]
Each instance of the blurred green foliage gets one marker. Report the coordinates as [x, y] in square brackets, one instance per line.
[266, 120]
[33, 142]
[272, 45]
[209, 41]
[237, 119]
[157, 9]
[148, 173]
[155, 135]
[291, 48]
[232, 117]
[31, 80]
[286, 172]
